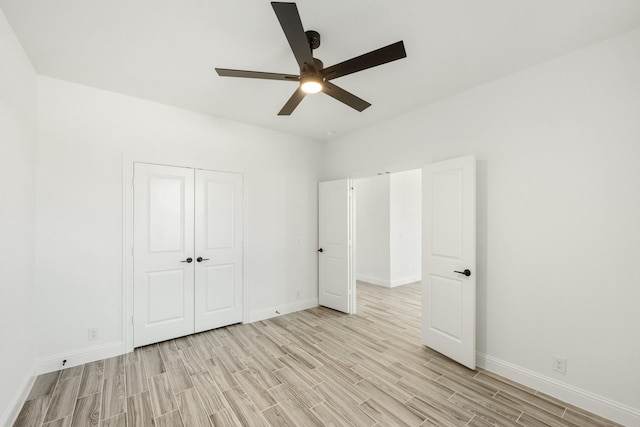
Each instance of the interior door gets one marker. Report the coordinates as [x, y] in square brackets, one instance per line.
[218, 249]
[163, 253]
[449, 258]
[335, 257]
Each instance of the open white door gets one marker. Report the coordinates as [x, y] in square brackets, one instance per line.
[163, 252]
[449, 258]
[218, 249]
[335, 255]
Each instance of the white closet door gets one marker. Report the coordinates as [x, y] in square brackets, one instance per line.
[163, 246]
[218, 249]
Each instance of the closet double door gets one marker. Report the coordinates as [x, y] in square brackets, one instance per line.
[187, 251]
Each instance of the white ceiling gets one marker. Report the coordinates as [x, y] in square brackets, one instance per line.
[166, 50]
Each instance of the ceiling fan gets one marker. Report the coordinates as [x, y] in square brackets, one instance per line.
[313, 76]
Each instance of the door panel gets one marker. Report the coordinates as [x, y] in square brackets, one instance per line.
[446, 209]
[219, 289]
[448, 292]
[166, 213]
[166, 296]
[449, 245]
[163, 237]
[335, 265]
[218, 286]
[220, 212]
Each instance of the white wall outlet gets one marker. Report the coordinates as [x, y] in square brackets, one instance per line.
[298, 294]
[560, 364]
[93, 334]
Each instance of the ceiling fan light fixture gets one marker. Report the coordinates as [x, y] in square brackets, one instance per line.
[314, 77]
[311, 84]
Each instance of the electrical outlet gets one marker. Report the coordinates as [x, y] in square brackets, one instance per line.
[560, 365]
[298, 294]
[93, 334]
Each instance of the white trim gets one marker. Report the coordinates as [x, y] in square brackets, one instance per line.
[128, 161]
[351, 248]
[15, 405]
[245, 250]
[279, 310]
[584, 399]
[373, 280]
[127, 253]
[390, 168]
[405, 280]
[79, 357]
[388, 283]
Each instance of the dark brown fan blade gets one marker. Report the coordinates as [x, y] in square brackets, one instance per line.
[345, 97]
[368, 60]
[291, 24]
[292, 103]
[224, 72]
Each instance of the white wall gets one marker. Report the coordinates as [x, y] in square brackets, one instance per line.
[405, 206]
[82, 134]
[373, 259]
[558, 148]
[17, 220]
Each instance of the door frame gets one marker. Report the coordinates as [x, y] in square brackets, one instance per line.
[128, 161]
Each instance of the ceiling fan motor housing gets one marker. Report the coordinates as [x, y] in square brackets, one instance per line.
[312, 72]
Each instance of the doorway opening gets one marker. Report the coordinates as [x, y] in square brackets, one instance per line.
[388, 237]
[448, 321]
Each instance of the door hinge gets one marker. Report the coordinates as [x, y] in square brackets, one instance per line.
[133, 182]
[132, 320]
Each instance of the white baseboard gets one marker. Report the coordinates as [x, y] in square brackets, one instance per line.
[79, 357]
[373, 280]
[15, 405]
[405, 281]
[591, 402]
[388, 283]
[267, 313]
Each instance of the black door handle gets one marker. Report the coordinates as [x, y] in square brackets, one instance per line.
[320, 250]
[467, 272]
[188, 260]
[200, 259]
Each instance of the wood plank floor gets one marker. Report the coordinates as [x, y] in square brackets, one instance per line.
[312, 368]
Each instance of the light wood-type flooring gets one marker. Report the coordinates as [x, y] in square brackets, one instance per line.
[311, 368]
